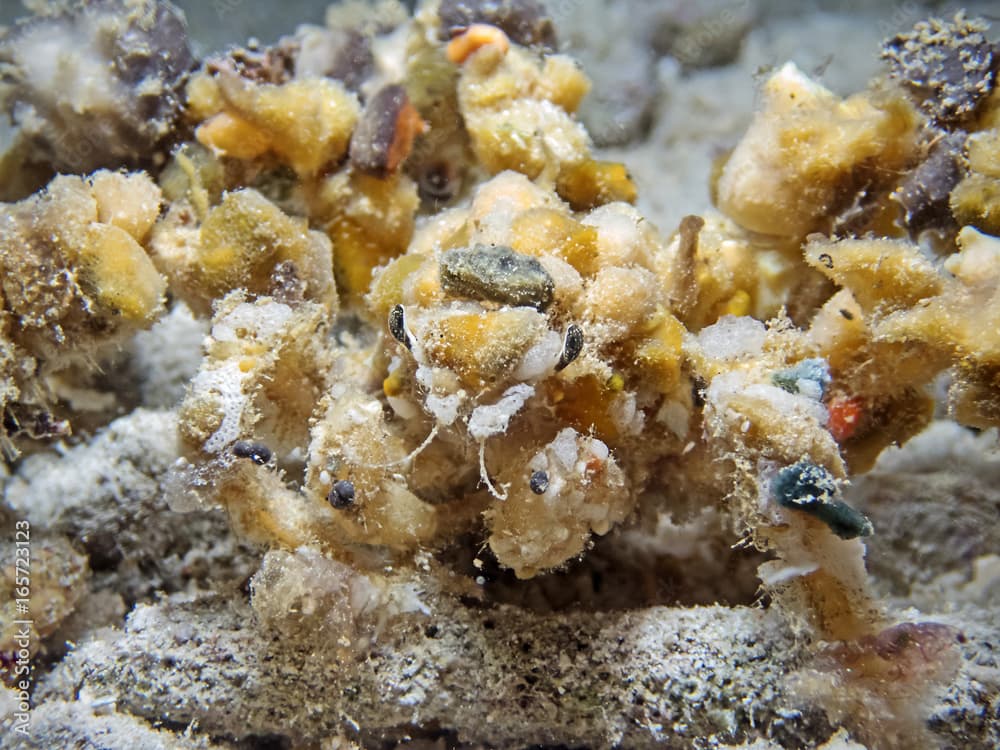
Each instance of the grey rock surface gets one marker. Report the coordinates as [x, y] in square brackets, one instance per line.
[661, 677]
[77, 724]
[106, 496]
[498, 676]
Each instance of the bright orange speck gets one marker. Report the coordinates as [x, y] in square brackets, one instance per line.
[594, 466]
[845, 416]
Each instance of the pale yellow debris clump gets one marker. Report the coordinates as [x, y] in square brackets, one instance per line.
[519, 113]
[75, 279]
[369, 220]
[807, 151]
[93, 231]
[305, 123]
[245, 242]
[586, 492]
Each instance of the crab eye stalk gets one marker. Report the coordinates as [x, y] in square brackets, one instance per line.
[572, 346]
[397, 326]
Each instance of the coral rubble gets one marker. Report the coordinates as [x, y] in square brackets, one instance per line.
[443, 349]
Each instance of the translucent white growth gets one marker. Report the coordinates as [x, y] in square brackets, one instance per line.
[492, 419]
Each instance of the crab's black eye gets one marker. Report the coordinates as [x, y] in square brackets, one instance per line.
[259, 453]
[341, 494]
[539, 482]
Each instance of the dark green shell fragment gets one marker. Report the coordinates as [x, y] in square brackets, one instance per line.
[497, 274]
[809, 488]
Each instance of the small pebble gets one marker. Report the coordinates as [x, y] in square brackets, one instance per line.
[810, 377]
[498, 274]
[384, 135]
